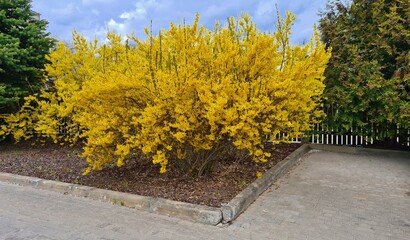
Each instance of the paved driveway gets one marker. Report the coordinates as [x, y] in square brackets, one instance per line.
[327, 196]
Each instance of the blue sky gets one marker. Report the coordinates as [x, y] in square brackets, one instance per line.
[93, 18]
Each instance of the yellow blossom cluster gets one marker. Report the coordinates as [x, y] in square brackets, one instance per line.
[182, 96]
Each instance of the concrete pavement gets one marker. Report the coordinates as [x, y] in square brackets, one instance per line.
[327, 196]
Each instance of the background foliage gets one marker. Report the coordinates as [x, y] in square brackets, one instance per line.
[368, 75]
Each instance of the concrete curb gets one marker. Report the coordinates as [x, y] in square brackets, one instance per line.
[241, 202]
[191, 212]
[187, 211]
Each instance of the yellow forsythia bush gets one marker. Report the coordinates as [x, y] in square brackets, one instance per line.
[182, 97]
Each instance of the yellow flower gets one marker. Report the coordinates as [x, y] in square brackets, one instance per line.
[180, 94]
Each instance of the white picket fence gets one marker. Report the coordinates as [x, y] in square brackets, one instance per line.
[321, 135]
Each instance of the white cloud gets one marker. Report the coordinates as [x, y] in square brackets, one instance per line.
[93, 2]
[128, 21]
[137, 13]
[113, 25]
[140, 11]
[266, 8]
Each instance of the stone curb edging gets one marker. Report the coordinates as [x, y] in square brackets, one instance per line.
[245, 198]
[187, 211]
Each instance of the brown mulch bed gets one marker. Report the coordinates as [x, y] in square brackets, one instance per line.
[62, 163]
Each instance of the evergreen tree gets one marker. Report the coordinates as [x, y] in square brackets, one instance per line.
[368, 75]
[24, 43]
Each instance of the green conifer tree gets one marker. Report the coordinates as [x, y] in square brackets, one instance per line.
[24, 43]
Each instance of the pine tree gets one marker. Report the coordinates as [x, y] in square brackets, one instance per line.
[24, 43]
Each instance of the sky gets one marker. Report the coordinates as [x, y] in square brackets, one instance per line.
[93, 18]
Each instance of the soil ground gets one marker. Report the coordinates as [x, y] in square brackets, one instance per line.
[63, 163]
